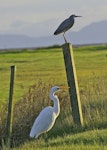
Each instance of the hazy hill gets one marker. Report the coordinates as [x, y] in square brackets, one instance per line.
[93, 33]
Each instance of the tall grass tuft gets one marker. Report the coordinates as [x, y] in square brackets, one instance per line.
[27, 109]
[94, 103]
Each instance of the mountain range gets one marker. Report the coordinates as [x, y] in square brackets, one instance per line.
[92, 34]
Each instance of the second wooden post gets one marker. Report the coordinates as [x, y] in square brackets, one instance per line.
[10, 109]
[73, 84]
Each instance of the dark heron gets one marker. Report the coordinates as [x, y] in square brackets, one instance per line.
[65, 26]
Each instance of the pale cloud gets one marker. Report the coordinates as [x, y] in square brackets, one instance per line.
[19, 15]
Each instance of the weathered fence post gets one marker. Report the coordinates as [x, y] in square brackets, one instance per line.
[73, 84]
[10, 108]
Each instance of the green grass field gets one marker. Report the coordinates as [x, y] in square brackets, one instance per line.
[90, 140]
[36, 72]
[48, 65]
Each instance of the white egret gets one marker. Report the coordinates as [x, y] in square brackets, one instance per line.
[46, 119]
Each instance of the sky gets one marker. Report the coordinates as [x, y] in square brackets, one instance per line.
[37, 18]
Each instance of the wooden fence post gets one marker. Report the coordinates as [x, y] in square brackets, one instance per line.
[73, 84]
[10, 108]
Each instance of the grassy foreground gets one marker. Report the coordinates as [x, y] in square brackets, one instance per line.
[90, 140]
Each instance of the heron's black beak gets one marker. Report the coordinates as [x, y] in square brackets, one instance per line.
[78, 16]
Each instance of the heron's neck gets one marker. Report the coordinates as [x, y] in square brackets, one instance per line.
[56, 106]
[71, 19]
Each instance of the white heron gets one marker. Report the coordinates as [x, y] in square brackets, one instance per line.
[65, 26]
[46, 119]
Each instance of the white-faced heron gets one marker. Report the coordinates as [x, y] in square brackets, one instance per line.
[65, 26]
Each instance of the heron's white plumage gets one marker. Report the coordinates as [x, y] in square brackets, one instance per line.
[46, 119]
[43, 122]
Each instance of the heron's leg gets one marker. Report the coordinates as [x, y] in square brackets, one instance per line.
[64, 38]
[45, 137]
